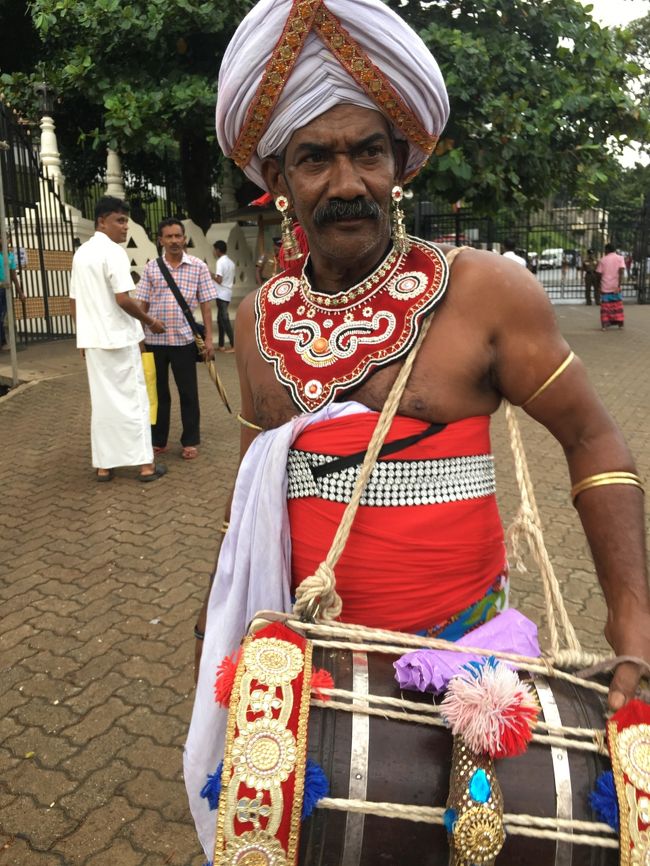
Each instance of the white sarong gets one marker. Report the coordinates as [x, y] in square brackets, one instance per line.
[120, 431]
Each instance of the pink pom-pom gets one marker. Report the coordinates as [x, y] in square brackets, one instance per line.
[225, 679]
[491, 709]
[321, 679]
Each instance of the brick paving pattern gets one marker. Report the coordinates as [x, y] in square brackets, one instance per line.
[100, 586]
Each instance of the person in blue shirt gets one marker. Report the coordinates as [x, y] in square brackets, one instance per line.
[13, 277]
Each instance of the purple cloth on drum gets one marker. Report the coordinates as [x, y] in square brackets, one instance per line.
[429, 670]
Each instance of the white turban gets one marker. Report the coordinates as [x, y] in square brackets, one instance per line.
[319, 81]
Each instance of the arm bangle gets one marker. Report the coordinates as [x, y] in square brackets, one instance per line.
[224, 527]
[550, 379]
[604, 479]
[198, 634]
[249, 424]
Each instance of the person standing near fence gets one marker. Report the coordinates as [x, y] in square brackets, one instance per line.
[592, 278]
[109, 333]
[15, 282]
[611, 269]
[225, 278]
[176, 347]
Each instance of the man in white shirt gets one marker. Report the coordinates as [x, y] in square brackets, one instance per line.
[109, 333]
[225, 277]
[510, 253]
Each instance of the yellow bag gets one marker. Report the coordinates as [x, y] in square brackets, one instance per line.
[149, 367]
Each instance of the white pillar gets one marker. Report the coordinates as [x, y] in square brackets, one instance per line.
[50, 157]
[114, 179]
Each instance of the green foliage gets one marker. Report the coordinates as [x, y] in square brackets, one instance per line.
[539, 97]
[539, 92]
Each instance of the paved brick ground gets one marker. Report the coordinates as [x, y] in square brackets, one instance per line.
[100, 584]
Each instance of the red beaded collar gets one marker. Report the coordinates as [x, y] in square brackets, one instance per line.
[323, 345]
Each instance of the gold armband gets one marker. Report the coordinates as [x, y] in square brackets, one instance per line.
[249, 424]
[550, 379]
[224, 527]
[603, 479]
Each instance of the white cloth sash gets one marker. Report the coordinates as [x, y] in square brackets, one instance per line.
[253, 574]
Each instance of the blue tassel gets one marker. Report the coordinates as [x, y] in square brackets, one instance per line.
[317, 786]
[208, 863]
[212, 788]
[450, 817]
[603, 800]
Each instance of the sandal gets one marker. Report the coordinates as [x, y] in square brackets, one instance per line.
[160, 449]
[190, 452]
[104, 479]
[158, 471]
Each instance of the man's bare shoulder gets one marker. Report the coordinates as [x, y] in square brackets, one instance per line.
[498, 289]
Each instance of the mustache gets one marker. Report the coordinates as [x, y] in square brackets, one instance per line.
[339, 209]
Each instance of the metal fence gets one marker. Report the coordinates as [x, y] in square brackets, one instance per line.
[150, 200]
[40, 236]
[554, 242]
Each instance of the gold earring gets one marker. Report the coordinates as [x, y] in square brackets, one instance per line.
[289, 240]
[400, 238]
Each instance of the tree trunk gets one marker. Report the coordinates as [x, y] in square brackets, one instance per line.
[196, 164]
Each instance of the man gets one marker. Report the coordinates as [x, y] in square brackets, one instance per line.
[176, 346]
[339, 329]
[510, 253]
[225, 277]
[15, 282]
[592, 277]
[109, 333]
[611, 269]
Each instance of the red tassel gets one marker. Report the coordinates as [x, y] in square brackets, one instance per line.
[516, 732]
[225, 679]
[321, 679]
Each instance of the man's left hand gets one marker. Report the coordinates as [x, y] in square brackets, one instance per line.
[208, 353]
[629, 635]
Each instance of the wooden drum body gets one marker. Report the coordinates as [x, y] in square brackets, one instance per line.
[371, 758]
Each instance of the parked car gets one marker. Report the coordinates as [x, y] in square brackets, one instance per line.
[551, 258]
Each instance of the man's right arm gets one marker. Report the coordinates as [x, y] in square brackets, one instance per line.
[526, 354]
[133, 308]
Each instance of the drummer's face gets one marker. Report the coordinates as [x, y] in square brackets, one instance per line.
[338, 172]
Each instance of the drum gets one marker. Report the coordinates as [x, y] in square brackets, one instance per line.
[371, 758]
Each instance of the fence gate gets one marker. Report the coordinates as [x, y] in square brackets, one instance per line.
[41, 237]
[554, 241]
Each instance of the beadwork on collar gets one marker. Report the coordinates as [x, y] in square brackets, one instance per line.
[323, 345]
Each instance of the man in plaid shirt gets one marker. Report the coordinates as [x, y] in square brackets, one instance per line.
[176, 346]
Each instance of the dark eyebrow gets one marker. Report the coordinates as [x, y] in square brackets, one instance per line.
[315, 147]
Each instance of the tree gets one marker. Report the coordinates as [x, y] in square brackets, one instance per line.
[539, 92]
[137, 77]
[540, 99]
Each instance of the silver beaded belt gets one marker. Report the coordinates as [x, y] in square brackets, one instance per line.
[394, 482]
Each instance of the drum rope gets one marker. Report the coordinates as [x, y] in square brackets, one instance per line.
[435, 710]
[528, 525]
[416, 718]
[517, 825]
[592, 735]
[533, 665]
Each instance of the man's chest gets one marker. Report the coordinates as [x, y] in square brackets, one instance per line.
[449, 380]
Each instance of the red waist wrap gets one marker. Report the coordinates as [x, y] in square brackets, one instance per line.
[404, 568]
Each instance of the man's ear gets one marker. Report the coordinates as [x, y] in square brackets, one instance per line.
[274, 177]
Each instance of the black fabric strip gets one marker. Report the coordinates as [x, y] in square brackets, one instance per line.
[390, 448]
